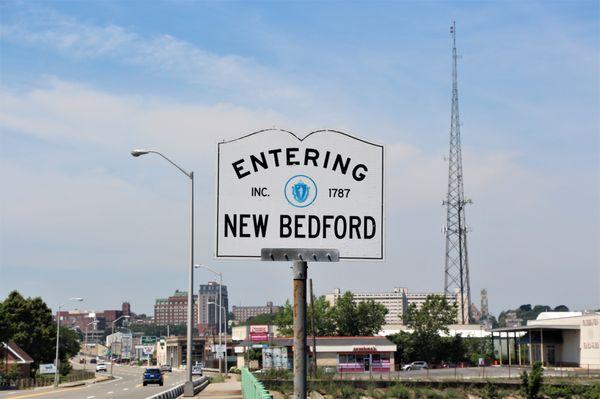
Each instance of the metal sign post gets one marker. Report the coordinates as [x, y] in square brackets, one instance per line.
[300, 258]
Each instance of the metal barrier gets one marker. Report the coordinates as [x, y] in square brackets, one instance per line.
[177, 391]
[253, 388]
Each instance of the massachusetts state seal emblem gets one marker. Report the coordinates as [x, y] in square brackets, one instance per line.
[300, 191]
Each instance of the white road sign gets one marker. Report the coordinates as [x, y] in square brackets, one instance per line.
[276, 190]
[47, 368]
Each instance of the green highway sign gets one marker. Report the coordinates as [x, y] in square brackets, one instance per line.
[148, 340]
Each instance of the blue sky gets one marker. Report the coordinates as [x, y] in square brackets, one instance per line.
[84, 82]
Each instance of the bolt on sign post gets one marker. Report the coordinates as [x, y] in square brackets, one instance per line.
[318, 198]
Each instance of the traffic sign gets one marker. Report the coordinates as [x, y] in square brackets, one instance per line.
[145, 340]
[278, 190]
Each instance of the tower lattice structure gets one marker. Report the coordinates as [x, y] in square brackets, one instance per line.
[456, 274]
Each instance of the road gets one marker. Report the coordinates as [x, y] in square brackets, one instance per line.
[127, 384]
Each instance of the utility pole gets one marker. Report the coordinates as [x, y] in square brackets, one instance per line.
[313, 327]
[456, 271]
[299, 258]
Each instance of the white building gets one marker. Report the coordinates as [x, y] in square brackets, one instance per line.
[555, 338]
[396, 301]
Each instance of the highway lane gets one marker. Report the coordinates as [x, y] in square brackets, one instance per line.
[127, 384]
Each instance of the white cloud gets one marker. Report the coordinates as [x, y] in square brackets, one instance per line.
[160, 53]
[77, 113]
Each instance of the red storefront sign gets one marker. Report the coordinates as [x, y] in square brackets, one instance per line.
[259, 333]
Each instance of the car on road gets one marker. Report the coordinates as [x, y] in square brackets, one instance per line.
[93, 361]
[152, 375]
[418, 365]
[197, 370]
[100, 367]
[166, 367]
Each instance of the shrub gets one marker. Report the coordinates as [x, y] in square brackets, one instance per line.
[433, 394]
[490, 391]
[453, 394]
[348, 392]
[593, 392]
[216, 378]
[531, 383]
[399, 391]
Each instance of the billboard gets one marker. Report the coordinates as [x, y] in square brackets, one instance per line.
[277, 190]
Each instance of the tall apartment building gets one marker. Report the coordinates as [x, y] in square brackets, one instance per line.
[419, 298]
[173, 310]
[208, 312]
[243, 313]
[396, 302]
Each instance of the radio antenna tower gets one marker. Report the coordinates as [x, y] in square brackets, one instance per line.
[456, 275]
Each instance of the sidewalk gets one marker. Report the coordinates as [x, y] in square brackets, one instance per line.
[230, 389]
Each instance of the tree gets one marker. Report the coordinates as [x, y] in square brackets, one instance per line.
[371, 316]
[531, 383]
[284, 320]
[29, 323]
[363, 319]
[427, 323]
[405, 347]
[267, 318]
[561, 308]
[324, 323]
[434, 315]
[345, 318]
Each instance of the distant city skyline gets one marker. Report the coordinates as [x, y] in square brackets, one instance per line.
[82, 85]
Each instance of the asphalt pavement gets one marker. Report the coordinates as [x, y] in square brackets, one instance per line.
[127, 384]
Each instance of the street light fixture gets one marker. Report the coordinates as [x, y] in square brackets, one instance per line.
[113, 340]
[58, 338]
[221, 306]
[188, 389]
[85, 342]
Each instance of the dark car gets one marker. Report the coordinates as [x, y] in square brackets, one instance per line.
[152, 376]
[166, 367]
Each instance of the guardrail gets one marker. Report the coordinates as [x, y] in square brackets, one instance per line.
[43, 380]
[253, 388]
[177, 391]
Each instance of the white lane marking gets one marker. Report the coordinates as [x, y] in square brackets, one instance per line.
[126, 389]
[109, 392]
[91, 397]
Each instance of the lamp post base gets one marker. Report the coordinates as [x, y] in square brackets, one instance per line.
[188, 389]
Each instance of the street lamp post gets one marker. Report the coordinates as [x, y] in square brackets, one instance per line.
[188, 389]
[113, 340]
[85, 341]
[221, 307]
[58, 339]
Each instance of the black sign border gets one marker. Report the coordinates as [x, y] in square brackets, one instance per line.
[217, 255]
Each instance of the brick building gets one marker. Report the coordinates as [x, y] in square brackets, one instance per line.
[173, 310]
[243, 313]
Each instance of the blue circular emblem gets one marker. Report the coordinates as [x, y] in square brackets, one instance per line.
[300, 191]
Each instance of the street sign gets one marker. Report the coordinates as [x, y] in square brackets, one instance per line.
[147, 350]
[145, 340]
[277, 190]
[47, 368]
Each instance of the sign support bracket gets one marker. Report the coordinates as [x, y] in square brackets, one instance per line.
[300, 258]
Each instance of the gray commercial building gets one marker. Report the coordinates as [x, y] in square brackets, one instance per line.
[208, 313]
